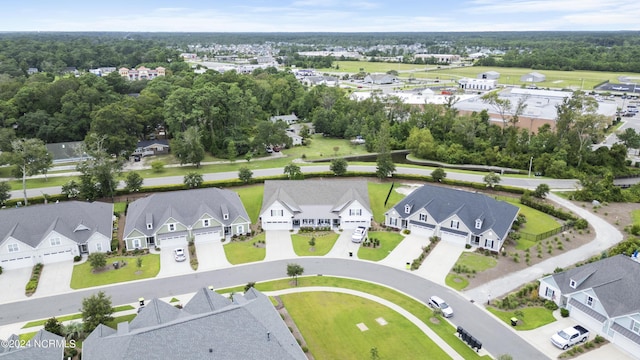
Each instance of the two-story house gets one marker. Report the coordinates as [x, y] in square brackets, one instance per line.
[173, 218]
[457, 216]
[292, 204]
[604, 296]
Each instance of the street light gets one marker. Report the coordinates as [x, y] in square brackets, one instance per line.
[530, 163]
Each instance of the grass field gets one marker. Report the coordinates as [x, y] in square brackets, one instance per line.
[377, 195]
[537, 221]
[251, 197]
[324, 243]
[456, 281]
[333, 333]
[83, 277]
[240, 252]
[635, 217]
[533, 318]
[388, 242]
[471, 262]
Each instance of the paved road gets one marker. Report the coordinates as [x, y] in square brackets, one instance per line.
[496, 337]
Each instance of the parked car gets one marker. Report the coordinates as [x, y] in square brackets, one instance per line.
[437, 303]
[268, 149]
[359, 234]
[570, 336]
[179, 255]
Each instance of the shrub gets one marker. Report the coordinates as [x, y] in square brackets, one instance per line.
[77, 258]
[305, 349]
[564, 312]
[551, 305]
[0, 270]
[406, 231]
[598, 339]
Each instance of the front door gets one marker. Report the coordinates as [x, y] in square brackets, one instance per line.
[83, 249]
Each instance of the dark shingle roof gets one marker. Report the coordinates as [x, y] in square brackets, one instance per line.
[43, 346]
[30, 224]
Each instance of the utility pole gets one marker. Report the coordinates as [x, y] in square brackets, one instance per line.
[530, 163]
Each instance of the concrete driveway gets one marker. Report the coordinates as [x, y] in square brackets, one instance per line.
[279, 245]
[168, 264]
[211, 255]
[55, 279]
[12, 283]
[344, 246]
[408, 249]
[440, 261]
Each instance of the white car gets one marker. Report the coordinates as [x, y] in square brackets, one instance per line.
[437, 303]
[179, 255]
[359, 234]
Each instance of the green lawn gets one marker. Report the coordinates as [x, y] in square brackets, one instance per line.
[533, 318]
[83, 277]
[445, 330]
[388, 242]
[240, 252]
[119, 207]
[324, 243]
[333, 333]
[456, 281]
[320, 147]
[377, 195]
[635, 217]
[73, 317]
[472, 263]
[251, 197]
[373, 67]
[537, 221]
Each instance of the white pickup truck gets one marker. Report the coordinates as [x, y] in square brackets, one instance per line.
[570, 336]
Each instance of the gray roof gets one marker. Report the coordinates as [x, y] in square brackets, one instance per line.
[614, 281]
[74, 219]
[285, 118]
[247, 328]
[34, 350]
[301, 195]
[442, 202]
[186, 206]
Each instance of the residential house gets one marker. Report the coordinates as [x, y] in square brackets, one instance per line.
[152, 147]
[209, 326]
[288, 119]
[489, 75]
[458, 216]
[379, 79]
[604, 296]
[295, 138]
[294, 204]
[142, 73]
[439, 58]
[171, 218]
[66, 152]
[533, 77]
[42, 346]
[320, 80]
[53, 232]
[32, 70]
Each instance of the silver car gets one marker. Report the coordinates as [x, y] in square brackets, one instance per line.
[179, 255]
[437, 303]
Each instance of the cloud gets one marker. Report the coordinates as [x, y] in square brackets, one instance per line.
[538, 6]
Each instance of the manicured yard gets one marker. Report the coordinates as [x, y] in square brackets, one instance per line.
[324, 242]
[468, 263]
[456, 281]
[388, 242]
[377, 195]
[635, 216]
[240, 252]
[533, 318]
[73, 317]
[119, 207]
[537, 221]
[251, 197]
[83, 277]
[322, 148]
[333, 332]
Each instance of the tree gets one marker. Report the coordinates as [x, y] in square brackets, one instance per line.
[187, 147]
[5, 192]
[96, 310]
[385, 166]
[133, 182]
[54, 326]
[421, 143]
[30, 157]
[293, 171]
[157, 166]
[541, 191]
[491, 179]
[374, 353]
[193, 180]
[139, 262]
[99, 171]
[245, 174]
[438, 174]
[294, 270]
[70, 189]
[97, 260]
[250, 284]
[232, 151]
[74, 330]
[630, 138]
[339, 166]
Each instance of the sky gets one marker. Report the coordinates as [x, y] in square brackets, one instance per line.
[320, 15]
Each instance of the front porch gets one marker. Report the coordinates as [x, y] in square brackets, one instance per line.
[316, 224]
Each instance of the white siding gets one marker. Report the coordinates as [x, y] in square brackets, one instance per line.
[421, 230]
[276, 221]
[453, 238]
[350, 220]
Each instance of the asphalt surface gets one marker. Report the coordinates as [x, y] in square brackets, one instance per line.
[495, 336]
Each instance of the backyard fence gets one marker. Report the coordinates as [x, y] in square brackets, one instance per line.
[544, 235]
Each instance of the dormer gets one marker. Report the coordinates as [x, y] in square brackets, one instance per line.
[578, 278]
[225, 211]
[149, 221]
[81, 227]
[407, 208]
[478, 223]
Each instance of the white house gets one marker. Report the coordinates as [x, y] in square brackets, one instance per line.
[604, 296]
[295, 204]
[456, 216]
[53, 232]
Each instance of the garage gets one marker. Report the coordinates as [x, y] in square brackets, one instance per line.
[208, 236]
[583, 318]
[421, 230]
[456, 238]
[16, 262]
[276, 225]
[57, 255]
[172, 241]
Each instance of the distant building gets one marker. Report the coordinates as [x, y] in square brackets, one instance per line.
[440, 58]
[288, 119]
[142, 73]
[66, 152]
[489, 75]
[533, 77]
[380, 79]
[31, 71]
[103, 71]
[477, 84]
[189, 56]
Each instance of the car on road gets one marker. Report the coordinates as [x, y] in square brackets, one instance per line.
[436, 302]
[359, 234]
[179, 255]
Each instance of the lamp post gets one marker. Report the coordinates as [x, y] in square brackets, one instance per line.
[530, 163]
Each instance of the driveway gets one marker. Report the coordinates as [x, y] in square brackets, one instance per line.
[211, 255]
[279, 245]
[344, 246]
[168, 264]
[12, 283]
[408, 249]
[55, 279]
[440, 261]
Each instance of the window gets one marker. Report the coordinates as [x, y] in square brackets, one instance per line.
[423, 217]
[206, 222]
[478, 223]
[454, 224]
[277, 212]
[549, 293]
[572, 283]
[393, 221]
[488, 243]
[55, 241]
[407, 209]
[172, 227]
[13, 248]
[240, 229]
[226, 216]
[99, 247]
[635, 326]
[149, 226]
[590, 301]
[136, 243]
[356, 212]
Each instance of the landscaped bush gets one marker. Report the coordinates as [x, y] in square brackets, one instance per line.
[77, 258]
[551, 305]
[425, 251]
[406, 231]
[564, 312]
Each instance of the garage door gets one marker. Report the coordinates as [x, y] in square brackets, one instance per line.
[421, 230]
[276, 225]
[57, 256]
[207, 236]
[16, 262]
[453, 238]
[585, 320]
[173, 241]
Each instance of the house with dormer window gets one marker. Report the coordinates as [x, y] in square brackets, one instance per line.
[603, 296]
[456, 216]
[172, 218]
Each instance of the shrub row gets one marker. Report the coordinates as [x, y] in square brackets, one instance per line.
[547, 209]
[433, 241]
[32, 285]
